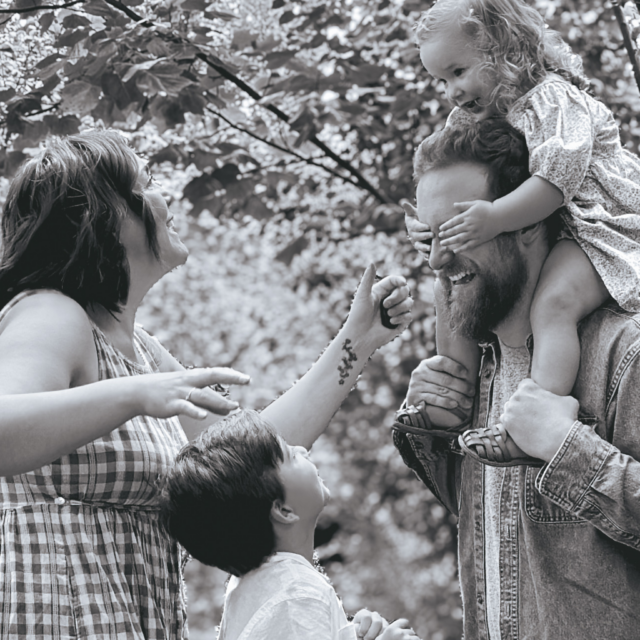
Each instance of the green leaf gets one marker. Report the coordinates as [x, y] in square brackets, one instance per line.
[277, 4]
[62, 126]
[194, 5]
[163, 77]
[242, 38]
[7, 94]
[277, 59]
[170, 153]
[200, 187]
[79, 97]
[227, 148]
[287, 16]
[142, 66]
[257, 209]
[170, 112]
[191, 100]
[24, 4]
[226, 175]
[70, 38]
[10, 162]
[291, 251]
[74, 21]
[203, 159]
[98, 8]
[45, 20]
[222, 15]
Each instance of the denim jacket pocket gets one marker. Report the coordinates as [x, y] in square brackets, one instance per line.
[541, 509]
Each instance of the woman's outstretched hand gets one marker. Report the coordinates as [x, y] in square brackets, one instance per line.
[187, 392]
[364, 316]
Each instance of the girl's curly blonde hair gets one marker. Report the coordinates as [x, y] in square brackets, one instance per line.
[518, 48]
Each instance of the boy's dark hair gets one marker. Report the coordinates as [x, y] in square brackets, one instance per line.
[62, 219]
[217, 498]
[493, 144]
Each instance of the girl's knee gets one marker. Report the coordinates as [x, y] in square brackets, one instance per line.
[556, 304]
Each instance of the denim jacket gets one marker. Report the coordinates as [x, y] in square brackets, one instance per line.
[570, 531]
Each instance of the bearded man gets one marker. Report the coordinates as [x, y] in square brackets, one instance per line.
[547, 550]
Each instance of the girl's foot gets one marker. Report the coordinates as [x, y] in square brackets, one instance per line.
[495, 447]
[417, 420]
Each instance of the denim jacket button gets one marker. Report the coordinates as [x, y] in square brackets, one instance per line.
[479, 598]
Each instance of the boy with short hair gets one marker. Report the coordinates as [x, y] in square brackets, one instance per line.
[240, 498]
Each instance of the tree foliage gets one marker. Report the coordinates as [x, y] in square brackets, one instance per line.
[284, 131]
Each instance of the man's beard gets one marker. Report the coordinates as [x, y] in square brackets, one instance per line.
[495, 295]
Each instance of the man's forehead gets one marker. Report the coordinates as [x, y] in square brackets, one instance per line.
[440, 188]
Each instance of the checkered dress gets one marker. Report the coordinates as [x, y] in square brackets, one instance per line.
[81, 552]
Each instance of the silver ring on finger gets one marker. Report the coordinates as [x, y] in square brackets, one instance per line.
[190, 392]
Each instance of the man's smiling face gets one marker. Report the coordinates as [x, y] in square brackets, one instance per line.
[481, 286]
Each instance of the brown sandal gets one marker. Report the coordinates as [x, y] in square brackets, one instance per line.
[495, 447]
[416, 421]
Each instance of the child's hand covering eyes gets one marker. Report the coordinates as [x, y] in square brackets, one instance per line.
[475, 225]
[419, 233]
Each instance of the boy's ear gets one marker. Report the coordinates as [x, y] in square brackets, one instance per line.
[283, 514]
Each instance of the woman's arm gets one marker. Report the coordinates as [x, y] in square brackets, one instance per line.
[304, 411]
[51, 401]
[481, 221]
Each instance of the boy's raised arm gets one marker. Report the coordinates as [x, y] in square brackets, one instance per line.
[302, 413]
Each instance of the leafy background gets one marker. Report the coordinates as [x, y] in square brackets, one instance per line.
[283, 132]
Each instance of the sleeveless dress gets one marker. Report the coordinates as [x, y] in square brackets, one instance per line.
[82, 554]
[574, 143]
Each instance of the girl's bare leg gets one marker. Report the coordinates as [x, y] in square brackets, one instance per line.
[569, 289]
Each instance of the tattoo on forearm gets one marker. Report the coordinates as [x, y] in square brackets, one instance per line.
[346, 361]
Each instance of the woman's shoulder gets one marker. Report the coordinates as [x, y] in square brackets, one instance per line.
[47, 305]
[47, 316]
[49, 335]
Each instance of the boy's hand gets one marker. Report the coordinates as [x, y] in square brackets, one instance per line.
[475, 225]
[398, 630]
[420, 234]
[364, 316]
[369, 624]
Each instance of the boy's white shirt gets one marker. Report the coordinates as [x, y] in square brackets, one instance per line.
[284, 599]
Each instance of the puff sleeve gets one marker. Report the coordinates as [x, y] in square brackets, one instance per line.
[556, 120]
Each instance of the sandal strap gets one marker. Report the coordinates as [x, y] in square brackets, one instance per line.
[415, 420]
[490, 443]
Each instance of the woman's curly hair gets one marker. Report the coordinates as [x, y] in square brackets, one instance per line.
[518, 48]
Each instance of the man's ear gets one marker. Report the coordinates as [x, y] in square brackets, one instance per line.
[281, 513]
[532, 233]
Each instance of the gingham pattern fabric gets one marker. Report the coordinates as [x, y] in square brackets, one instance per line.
[81, 552]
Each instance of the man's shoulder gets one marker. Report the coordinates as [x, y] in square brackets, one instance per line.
[609, 349]
[610, 328]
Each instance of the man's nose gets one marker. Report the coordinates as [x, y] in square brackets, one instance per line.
[439, 256]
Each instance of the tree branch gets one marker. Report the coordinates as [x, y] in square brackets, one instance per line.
[361, 181]
[626, 37]
[41, 7]
[275, 145]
